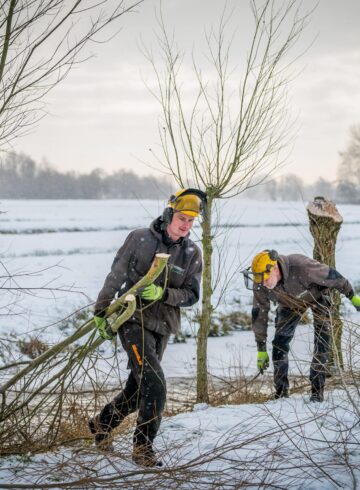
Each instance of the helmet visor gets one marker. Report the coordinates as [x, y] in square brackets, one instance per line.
[252, 281]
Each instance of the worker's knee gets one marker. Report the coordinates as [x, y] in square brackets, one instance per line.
[281, 346]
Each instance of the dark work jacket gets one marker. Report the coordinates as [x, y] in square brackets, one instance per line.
[303, 282]
[133, 261]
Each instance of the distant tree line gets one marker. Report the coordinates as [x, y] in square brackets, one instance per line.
[22, 178]
[346, 189]
[290, 187]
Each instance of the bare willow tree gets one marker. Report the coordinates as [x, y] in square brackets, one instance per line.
[40, 41]
[235, 127]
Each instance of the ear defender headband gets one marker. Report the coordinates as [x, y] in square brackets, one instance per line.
[168, 212]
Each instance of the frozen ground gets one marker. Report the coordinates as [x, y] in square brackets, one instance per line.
[72, 244]
[286, 444]
[67, 247]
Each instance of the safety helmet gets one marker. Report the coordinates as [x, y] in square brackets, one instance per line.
[262, 265]
[260, 269]
[184, 202]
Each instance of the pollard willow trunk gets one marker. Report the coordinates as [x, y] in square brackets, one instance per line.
[325, 223]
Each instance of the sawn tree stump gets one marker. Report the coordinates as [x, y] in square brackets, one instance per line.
[325, 223]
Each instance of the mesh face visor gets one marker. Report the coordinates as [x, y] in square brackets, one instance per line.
[255, 280]
[252, 281]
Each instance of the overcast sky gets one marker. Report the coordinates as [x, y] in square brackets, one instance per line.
[103, 115]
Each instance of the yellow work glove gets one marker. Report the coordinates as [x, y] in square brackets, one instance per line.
[356, 301]
[262, 361]
[152, 292]
[104, 328]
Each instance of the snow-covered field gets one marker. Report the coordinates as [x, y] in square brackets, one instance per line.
[66, 248]
[73, 243]
[286, 444]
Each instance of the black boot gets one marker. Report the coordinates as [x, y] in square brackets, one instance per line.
[103, 439]
[280, 393]
[317, 394]
[144, 455]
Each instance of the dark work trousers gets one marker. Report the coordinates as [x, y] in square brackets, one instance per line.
[285, 324]
[145, 389]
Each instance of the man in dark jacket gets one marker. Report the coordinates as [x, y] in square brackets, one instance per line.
[145, 336]
[295, 282]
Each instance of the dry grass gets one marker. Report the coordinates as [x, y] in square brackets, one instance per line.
[33, 347]
[70, 427]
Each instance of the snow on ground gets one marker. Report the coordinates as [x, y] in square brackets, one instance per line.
[71, 244]
[66, 245]
[229, 356]
[282, 444]
[287, 444]
[232, 356]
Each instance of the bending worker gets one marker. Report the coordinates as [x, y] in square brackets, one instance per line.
[145, 336]
[295, 282]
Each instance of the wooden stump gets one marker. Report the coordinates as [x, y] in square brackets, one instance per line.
[325, 223]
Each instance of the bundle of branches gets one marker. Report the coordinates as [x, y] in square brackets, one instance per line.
[37, 399]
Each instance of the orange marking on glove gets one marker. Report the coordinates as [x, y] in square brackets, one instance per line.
[137, 355]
